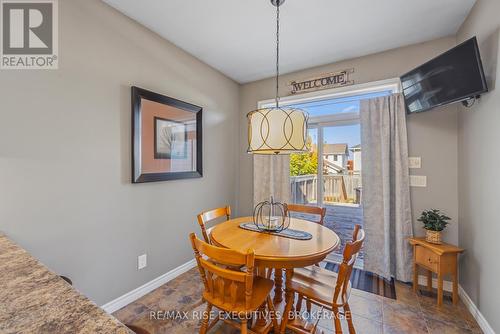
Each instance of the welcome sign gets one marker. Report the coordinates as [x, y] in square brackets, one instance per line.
[330, 80]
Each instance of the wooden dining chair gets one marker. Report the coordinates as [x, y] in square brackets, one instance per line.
[207, 216]
[232, 291]
[311, 210]
[325, 289]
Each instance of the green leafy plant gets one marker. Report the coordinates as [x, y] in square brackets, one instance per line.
[304, 163]
[434, 220]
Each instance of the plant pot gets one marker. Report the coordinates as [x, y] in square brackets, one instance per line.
[434, 237]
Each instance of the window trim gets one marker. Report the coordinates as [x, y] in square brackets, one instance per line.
[393, 85]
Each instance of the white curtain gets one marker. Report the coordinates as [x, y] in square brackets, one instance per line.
[271, 177]
[386, 189]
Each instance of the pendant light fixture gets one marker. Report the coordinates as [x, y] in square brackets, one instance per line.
[277, 130]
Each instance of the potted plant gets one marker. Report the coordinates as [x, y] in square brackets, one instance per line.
[434, 222]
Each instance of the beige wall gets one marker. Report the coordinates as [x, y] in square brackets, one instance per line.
[479, 181]
[432, 135]
[65, 153]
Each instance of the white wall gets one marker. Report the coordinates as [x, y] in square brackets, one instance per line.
[65, 191]
[432, 135]
[479, 181]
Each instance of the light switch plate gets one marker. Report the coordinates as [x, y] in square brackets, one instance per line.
[418, 181]
[415, 162]
[142, 261]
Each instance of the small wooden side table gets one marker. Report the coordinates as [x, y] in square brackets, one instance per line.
[439, 259]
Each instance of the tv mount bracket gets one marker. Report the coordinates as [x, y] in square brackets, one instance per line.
[469, 102]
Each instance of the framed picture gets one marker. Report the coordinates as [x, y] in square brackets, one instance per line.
[166, 138]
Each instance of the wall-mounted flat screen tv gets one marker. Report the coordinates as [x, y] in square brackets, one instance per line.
[454, 76]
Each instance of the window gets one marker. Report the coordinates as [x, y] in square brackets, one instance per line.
[335, 143]
[329, 175]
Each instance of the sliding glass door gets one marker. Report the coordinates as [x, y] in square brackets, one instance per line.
[329, 175]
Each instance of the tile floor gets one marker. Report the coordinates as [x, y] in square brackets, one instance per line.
[410, 313]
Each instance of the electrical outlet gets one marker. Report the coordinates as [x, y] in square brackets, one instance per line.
[414, 162]
[418, 181]
[142, 261]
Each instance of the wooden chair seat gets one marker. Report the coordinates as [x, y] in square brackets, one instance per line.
[261, 289]
[318, 284]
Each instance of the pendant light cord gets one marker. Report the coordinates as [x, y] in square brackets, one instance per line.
[277, 52]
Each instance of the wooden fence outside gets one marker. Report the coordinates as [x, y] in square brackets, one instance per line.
[338, 188]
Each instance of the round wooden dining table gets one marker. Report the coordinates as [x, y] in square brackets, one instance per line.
[278, 252]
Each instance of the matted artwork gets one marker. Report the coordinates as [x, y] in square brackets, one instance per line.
[167, 138]
[170, 139]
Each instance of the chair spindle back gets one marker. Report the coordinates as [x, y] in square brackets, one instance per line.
[311, 210]
[351, 252]
[207, 216]
[217, 269]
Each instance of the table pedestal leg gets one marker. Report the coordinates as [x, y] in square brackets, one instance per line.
[261, 323]
[278, 285]
[289, 292]
[290, 301]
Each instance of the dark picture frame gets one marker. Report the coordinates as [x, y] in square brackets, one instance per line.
[138, 175]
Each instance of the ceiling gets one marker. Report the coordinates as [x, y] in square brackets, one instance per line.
[237, 37]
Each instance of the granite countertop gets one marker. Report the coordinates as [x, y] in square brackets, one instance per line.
[35, 300]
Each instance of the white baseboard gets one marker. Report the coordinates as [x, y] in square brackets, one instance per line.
[135, 294]
[481, 320]
[447, 285]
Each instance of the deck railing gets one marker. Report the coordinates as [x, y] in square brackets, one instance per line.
[338, 188]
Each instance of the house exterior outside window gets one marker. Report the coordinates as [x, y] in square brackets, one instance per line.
[335, 157]
[356, 158]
